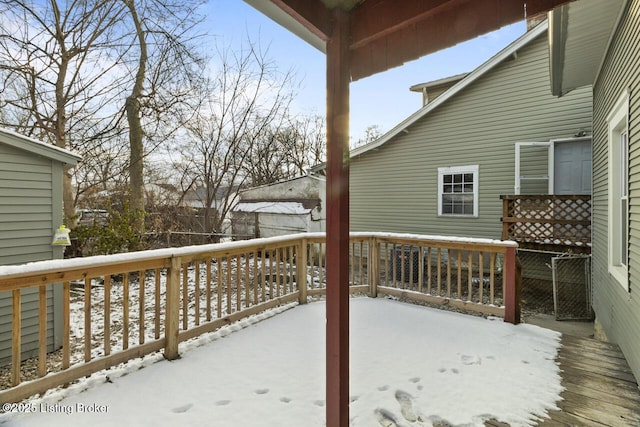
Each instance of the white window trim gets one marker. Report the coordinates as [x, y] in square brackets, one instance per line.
[618, 122]
[474, 169]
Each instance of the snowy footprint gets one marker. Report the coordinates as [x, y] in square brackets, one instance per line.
[182, 409]
[406, 406]
[385, 418]
[471, 360]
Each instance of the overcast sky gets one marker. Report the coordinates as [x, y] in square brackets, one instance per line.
[383, 99]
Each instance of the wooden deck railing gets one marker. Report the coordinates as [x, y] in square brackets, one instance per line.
[119, 307]
[547, 221]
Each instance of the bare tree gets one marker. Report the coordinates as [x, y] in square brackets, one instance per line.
[287, 150]
[163, 38]
[56, 73]
[371, 133]
[247, 96]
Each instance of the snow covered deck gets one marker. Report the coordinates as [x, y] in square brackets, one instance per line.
[120, 307]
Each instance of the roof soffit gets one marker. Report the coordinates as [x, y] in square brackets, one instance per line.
[387, 33]
[579, 36]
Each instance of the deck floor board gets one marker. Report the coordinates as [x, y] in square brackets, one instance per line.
[600, 389]
[599, 386]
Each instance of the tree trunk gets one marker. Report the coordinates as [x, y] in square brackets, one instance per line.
[136, 133]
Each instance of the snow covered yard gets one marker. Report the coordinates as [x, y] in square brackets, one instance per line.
[410, 366]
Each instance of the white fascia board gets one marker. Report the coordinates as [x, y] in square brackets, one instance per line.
[35, 146]
[461, 85]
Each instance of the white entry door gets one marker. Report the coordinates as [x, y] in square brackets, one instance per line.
[572, 169]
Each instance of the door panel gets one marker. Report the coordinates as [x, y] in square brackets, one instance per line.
[572, 167]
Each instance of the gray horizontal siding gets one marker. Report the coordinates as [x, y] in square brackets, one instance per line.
[616, 309]
[26, 223]
[393, 188]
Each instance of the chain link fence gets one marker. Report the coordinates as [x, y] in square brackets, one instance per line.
[556, 283]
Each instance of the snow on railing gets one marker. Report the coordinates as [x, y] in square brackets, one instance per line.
[118, 307]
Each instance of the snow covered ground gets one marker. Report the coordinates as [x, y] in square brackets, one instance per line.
[410, 366]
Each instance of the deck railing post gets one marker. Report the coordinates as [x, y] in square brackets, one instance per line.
[512, 287]
[301, 270]
[173, 310]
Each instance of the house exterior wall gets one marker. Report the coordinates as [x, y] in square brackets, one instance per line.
[618, 310]
[394, 187]
[30, 191]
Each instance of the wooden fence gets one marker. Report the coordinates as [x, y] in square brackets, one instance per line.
[119, 307]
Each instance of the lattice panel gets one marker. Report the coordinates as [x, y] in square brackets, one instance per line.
[559, 220]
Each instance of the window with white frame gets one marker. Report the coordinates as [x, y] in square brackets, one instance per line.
[458, 191]
[618, 185]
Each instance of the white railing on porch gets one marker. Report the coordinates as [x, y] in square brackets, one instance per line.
[119, 307]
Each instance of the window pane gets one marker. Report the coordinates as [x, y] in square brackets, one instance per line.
[447, 178]
[457, 178]
[468, 188]
[468, 177]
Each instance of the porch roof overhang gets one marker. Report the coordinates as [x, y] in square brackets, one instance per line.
[386, 33]
[579, 36]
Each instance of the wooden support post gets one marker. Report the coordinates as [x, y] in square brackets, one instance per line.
[172, 315]
[337, 267]
[512, 285]
[301, 270]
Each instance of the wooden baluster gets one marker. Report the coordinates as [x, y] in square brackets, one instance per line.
[481, 275]
[459, 273]
[322, 250]
[449, 272]
[238, 283]
[219, 289]
[360, 264]
[196, 265]
[125, 311]
[207, 292]
[470, 275]
[420, 268]
[492, 265]
[255, 282]
[229, 300]
[42, 331]
[66, 324]
[278, 251]
[439, 269]
[16, 332]
[247, 293]
[429, 280]
[87, 319]
[185, 296]
[107, 315]
[141, 306]
[157, 304]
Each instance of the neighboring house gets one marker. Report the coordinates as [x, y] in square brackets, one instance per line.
[30, 212]
[442, 170]
[495, 132]
[293, 206]
[598, 43]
